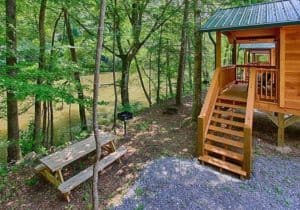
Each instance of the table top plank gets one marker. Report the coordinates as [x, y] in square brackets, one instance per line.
[60, 159]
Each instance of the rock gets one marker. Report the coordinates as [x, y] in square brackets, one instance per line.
[284, 150]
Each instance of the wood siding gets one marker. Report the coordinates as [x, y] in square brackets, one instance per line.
[292, 67]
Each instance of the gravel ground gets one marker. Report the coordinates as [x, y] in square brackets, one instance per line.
[171, 183]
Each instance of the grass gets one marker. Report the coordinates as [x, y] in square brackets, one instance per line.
[139, 192]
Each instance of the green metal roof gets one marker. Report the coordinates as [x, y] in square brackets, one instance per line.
[276, 13]
[258, 46]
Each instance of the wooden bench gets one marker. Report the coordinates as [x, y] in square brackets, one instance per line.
[84, 175]
[51, 166]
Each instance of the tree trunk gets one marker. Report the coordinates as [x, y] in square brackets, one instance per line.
[190, 66]
[158, 66]
[182, 55]
[142, 82]
[82, 115]
[114, 68]
[198, 62]
[150, 76]
[169, 73]
[14, 151]
[125, 80]
[44, 128]
[95, 103]
[42, 65]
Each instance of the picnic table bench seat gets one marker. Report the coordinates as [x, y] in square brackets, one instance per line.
[51, 166]
[84, 175]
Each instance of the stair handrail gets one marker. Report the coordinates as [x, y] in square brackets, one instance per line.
[249, 123]
[207, 110]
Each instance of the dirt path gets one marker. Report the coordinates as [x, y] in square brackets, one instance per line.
[153, 135]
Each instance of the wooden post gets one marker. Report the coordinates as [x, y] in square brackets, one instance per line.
[282, 68]
[247, 163]
[201, 136]
[234, 53]
[281, 127]
[245, 57]
[218, 49]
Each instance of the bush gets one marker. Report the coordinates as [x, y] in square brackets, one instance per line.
[135, 108]
[27, 142]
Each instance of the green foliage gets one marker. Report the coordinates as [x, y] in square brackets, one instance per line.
[140, 207]
[27, 142]
[139, 191]
[3, 170]
[33, 181]
[135, 108]
[143, 126]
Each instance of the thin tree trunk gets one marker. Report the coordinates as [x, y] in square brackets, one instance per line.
[14, 151]
[196, 107]
[82, 114]
[169, 73]
[95, 103]
[150, 75]
[114, 67]
[190, 67]
[142, 82]
[51, 123]
[125, 80]
[182, 55]
[42, 65]
[44, 128]
[158, 66]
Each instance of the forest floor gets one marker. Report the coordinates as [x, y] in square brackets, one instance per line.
[152, 135]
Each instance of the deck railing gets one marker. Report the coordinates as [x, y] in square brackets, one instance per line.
[242, 73]
[267, 85]
[227, 76]
[207, 110]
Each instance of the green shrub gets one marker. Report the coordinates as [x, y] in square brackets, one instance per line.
[33, 181]
[135, 108]
[27, 143]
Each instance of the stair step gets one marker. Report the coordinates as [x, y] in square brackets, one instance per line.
[223, 140]
[242, 116]
[227, 122]
[223, 164]
[230, 105]
[232, 98]
[227, 131]
[224, 152]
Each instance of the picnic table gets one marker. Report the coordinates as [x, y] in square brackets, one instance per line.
[51, 166]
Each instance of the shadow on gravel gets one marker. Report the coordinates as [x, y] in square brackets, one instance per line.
[171, 183]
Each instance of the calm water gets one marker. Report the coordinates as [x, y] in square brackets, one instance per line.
[61, 114]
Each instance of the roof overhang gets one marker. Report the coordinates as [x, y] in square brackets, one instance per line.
[256, 16]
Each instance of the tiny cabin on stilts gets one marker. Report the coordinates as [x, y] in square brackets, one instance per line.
[267, 78]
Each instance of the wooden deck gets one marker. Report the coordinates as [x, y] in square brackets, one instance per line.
[239, 91]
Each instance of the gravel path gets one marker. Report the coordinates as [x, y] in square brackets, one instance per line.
[171, 183]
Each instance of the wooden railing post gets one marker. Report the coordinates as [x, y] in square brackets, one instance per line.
[201, 135]
[247, 151]
[247, 163]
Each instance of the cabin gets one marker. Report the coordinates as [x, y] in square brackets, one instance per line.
[264, 75]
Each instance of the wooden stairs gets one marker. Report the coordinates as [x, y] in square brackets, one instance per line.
[223, 144]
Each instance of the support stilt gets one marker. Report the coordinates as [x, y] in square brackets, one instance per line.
[281, 128]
